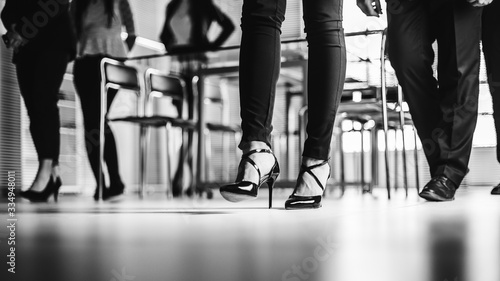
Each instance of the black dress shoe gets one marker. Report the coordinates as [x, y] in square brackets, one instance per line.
[439, 188]
[496, 190]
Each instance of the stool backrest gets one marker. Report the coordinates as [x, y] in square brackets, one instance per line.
[117, 75]
[215, 100]
[163, 85]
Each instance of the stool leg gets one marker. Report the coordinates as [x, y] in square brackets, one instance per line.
[374, 158]
[168, 181]
[362, 160]
[387, 173]
[415, 151]
[405, 169]
[342, 161]
[402, 125]
[396, 160]
[385, 121]
[225, 156]
[208, 155]
[143, 140]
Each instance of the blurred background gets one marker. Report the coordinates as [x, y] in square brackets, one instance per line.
[359, 234]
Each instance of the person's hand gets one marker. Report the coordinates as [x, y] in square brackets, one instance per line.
[479, 3]
[370, 7]
[5, 39]
[14, 39]
[130, 41]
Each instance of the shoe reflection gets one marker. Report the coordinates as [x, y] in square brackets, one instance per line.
[448, 251]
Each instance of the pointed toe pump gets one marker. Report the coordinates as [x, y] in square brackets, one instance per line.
[245, 190]
[52, 188]
[296, 202]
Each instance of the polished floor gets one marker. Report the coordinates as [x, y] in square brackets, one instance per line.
[355, 237]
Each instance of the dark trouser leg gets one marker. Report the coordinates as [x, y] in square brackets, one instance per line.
[326, 72]
[491, 49]
[458, 72]
[259, 67]
[40, 77]
[445, 118]
[410, 52]
[87, 83]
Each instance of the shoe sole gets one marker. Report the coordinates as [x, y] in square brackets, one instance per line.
[233, 197]
[303, 207]
[434, 197]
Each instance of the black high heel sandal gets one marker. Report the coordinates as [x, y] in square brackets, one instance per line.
[234, 193]
[52, 188]
[295, 202]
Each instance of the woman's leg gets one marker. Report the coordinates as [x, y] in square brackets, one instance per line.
[260, 58]
[327, 66]
[259, 67]
[87, 83]
[40, 77]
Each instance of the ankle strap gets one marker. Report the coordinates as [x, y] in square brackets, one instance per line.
[305, 169]
[247, 158]
[258, 150]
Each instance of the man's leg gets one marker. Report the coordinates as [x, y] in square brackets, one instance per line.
[445, 118]
[458, 73]
[457, 31]
[410, 41]
[491, 49]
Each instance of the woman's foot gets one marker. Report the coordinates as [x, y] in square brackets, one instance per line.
[114, 193]
[108, 194]
[307, 184]
[46, 172]
[258, 166]
[47, 182]
[311, 183]
[264, 161]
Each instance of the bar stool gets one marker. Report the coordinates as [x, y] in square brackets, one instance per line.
[217, 98]
[114, 75]
[160, 86]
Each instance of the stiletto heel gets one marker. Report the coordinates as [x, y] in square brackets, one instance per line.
[270, 184]
[295, 202]
[56, 191]
[52, 188]
[235, 193]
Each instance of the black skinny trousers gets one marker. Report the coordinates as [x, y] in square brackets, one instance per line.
[444, 111]
[87, 80]
[40, 76]
[260, 65]
[491, 50]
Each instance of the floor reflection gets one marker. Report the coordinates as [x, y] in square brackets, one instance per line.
[447, 259]
[358, 237]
